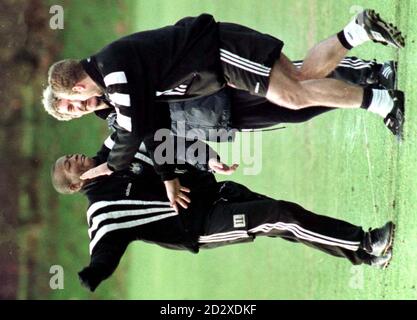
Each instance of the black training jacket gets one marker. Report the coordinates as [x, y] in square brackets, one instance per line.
[157, 65]
[125, 207]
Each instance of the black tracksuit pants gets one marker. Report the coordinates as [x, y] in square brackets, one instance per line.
[241, 219]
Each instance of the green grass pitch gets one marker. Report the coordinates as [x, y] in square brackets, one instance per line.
[344, 164]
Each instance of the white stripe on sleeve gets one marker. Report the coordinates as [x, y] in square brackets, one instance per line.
[118, 77]
[124, 121]
[129, 224]
[109, 142]
[144, 158]
[102, 204]
[124, 213]
[121, 99]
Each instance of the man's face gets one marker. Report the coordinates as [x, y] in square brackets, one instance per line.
[73, 166]
[82, 91]
[78, 108]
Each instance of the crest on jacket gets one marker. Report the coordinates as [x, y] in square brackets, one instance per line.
[136, 168]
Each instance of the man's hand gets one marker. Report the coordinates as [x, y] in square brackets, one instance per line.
[175, 194]
[222, 168]
[100, 170]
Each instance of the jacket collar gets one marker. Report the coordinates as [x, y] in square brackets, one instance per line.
[91, 68]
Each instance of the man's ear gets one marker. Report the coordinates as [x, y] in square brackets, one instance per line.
[79, 87]
[76, 186]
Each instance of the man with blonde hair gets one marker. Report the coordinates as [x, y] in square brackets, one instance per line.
[247, 111]
[64, 75]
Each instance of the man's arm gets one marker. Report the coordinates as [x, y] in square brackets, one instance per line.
[130, 90]
[203, 157]
[104, 261]
[126, 144]
[105, 149]
[101, 159]
[195, 152]
[129, 108]
[164, 165]
[198, 154]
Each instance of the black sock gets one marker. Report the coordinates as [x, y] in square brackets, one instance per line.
[343, 41]
[367, 98]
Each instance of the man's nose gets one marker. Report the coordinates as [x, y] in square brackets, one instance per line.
[76, 103]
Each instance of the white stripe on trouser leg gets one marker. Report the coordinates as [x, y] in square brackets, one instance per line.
[305, 236]
[355, 62]
[347, 63]
[224, 236]
[231, 238]
[302, 233]
[352, 67]
[245, 64]
[311, 233]
[387, 72]
[243, 67]
[244, 61]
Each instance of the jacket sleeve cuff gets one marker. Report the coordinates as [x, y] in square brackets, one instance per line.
[89, 279]
[111, 167]
[168, 176]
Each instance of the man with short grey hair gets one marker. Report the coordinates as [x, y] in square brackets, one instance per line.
[132, 205]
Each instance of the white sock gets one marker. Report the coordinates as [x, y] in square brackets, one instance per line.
[381, 103]
[355, 34]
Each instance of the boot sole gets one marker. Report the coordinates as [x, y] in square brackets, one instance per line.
[399, 134]
[389, 247]
[391, 241]
[394, 67]
[396, 41]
